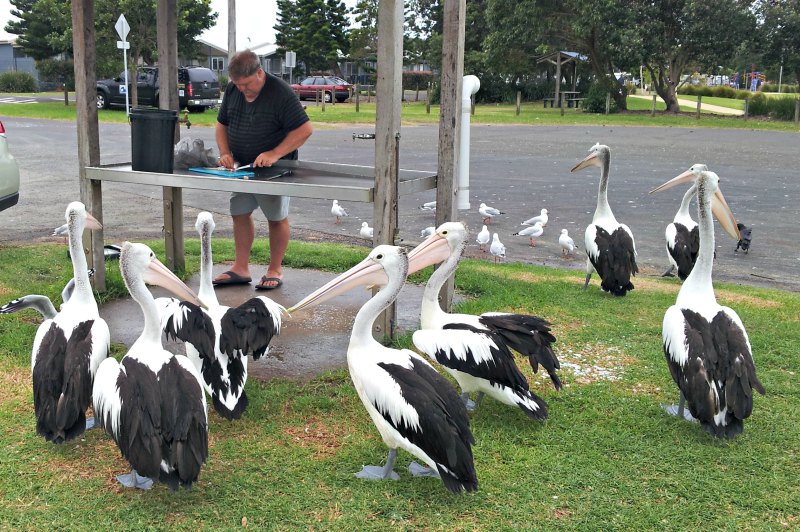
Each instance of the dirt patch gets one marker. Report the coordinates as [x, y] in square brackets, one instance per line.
[592, 363]
[16, 385]
[324, 438]
[726, 297]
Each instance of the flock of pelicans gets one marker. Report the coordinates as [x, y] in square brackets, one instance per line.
[153, 404]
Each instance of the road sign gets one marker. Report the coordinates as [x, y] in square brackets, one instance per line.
[123, 45]
[291, 58]
[122, 27]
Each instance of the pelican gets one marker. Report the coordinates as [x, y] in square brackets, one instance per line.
[683, 238]
[705, 344]
[219, 338]
[366, 231]
[475, 350]
[542, 218]
[338, 211]
[42, 304]
[497, 248]
[609, 244]
[69, 346]
[566, 242]
[483, 238]
[152, 403]
[535, 230]
[488, 212]
[413, 407]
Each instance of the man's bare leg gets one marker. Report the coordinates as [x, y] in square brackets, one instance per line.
[279, 233]
[244, 233]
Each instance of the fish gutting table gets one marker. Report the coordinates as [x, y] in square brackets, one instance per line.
[307, 180]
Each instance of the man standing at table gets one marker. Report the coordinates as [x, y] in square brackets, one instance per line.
[260, 121]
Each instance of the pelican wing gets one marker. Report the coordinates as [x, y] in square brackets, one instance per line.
[250, 327]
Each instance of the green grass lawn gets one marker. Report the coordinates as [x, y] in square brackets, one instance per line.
[608, 457]
[731, 103]
[531, 113]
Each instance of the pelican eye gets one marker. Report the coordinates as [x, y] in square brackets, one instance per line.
[379, 256]
[444, 232]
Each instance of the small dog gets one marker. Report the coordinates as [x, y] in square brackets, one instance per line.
[746, 238]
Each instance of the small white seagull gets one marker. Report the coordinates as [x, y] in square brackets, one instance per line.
[483, 238]
[429, 206]
[497, 248]
[567, 244]
[428, 231]
[488, 212]
[366, 230]
[338, 211]
[541, 218]
[535, 230]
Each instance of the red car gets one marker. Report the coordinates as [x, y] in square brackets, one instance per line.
[330, 86]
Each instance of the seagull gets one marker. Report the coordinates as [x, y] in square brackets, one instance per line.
[488, 212]
[541, 218]
[535, 230]
[366, 231]
[567, 244]
[429, 206]
[497, 248]
[338, 211]
[483, 238]
[747, 236]
[428, 231]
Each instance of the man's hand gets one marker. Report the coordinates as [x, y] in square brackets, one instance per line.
[267, 158]
[226, 160]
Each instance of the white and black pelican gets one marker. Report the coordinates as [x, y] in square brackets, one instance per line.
[411, 404]
[69, 347]
[475, 350]
[41, 304]
[609, 244]
[152, 403]
[219, 338]
[706, 345]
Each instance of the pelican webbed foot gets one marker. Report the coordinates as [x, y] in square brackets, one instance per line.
[135, 480]
[421, 471]
[371, 472]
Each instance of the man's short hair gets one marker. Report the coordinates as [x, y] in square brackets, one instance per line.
[243, 64]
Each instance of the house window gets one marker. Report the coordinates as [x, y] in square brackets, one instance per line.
[217, 64]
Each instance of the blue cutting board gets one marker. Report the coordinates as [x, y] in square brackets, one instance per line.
[223, 173]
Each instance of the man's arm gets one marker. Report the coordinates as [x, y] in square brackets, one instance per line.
[225, 155]
[296, 138]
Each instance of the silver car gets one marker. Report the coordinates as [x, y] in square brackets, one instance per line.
[9, 174]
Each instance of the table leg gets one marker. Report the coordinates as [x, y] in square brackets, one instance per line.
[98, 259]
[173, 228]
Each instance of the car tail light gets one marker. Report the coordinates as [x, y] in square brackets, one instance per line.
[190, 90]
[2, 129]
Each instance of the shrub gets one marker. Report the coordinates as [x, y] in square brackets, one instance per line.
[743, 94]
[17, 82]
[688, 90]
[630, 87]
[758, 105]
[703, 90]
[417, 80]
[595, 101]
[784, 88]
[781, 107]
[723, 91]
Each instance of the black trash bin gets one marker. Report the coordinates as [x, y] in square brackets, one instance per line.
[153, 139]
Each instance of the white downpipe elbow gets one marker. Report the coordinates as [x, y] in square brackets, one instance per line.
[470, 85]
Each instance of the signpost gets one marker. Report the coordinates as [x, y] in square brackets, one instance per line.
[291, 59]
[123, 28]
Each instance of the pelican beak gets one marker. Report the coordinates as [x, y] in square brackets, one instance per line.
[159, 275]
[92, 223]
[365, 273]
[724, 215]
[685, 177]
[432, 250]
[589, 160]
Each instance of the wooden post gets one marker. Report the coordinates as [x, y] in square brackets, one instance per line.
[519, 101]
[428, 99]
[608, 102]
[653, 109]
[472, 104]
[746, 108]
[358, 97]
[322, 99]
[797, 111]
[699, 103]
[452, 75]
[387, 138]
[558, 81]
[83, 44]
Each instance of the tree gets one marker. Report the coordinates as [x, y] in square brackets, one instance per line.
[780, 33]
[44, 28]
[675, 34]
[314, 29]
[364, 37]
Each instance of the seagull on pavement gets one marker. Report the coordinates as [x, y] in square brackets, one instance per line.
[541, 218]
[338, 211]
[488, 212]
[366, 230]
[567, 244]
[483, 238]
[428, 231]
[429, 206]
[534, 231]
[497, 248]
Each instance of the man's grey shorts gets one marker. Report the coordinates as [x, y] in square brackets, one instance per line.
[275, 208]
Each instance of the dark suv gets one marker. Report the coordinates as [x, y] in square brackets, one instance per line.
[198, 88]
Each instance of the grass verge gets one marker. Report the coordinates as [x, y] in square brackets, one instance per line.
[607, 458]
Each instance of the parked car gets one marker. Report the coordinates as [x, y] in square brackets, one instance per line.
[330, 87]
[9, 174]
[198, 89]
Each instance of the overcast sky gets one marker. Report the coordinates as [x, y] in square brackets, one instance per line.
[255, 19]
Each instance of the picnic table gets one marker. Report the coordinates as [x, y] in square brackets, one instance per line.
[571, 97]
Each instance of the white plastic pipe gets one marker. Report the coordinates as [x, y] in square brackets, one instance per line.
[470, 86]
